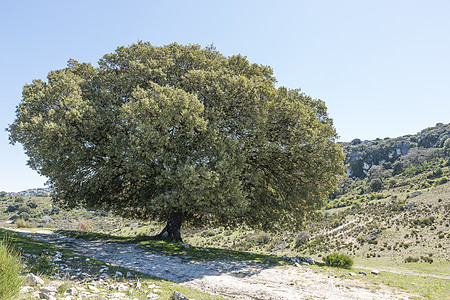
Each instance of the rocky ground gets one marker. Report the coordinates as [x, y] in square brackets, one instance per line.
[231, 279]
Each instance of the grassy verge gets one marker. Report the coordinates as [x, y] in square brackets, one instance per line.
[10, 268]
[423, 286]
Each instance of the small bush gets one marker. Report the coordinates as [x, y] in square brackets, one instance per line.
[262, 238]
[427, 259]
[302, 238]
[442, 180]
[83, 225]
[410, 259]
[10, 268]
[338, 260]
[21, 223]
[43, 266]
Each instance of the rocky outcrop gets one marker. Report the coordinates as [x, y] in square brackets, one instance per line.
[363, 155]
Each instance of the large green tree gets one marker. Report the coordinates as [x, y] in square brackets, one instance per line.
[180, 134]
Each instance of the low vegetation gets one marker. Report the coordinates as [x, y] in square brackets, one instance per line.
[10, 271]
[338, 260]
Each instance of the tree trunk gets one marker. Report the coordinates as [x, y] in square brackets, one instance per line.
[172, 229]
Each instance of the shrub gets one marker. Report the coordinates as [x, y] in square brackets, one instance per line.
[411, 259]
[376, 185]
[83, 225]
[32, 205]
[10, 268]
[302, 238]
[262, 238]
[21, 223]
[427, 259]
[43, 266]
[338, 260]
[442, 180]
[12, 208]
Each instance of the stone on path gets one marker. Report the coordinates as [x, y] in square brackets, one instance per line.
[33, 280]
[179, 296]
[27, 289]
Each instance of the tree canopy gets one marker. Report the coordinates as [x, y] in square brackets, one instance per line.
[180, 133]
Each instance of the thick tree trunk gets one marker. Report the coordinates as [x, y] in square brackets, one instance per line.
[172, 229]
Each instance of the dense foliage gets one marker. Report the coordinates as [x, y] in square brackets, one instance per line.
[338, 260]
[180, 133]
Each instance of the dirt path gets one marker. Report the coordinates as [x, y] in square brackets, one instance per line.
[236, 280]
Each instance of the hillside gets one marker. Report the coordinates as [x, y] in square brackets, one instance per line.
[400, 208]
[394, 216]
[404, 150]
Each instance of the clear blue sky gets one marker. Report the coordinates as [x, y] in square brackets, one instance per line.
[382, 67]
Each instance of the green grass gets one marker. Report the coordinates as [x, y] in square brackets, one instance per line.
[428, 287]
[422, 286]
[10, 271]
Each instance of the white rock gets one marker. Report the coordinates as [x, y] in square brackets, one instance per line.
[138, 285]
[49, 289]
[129, 275]
[35, 295]
[122, 288]
[46, 296]
[71, 291]
[119, 273]
[374, 272]
[151, 295]
[179, 296]
[33, 280]
[93, 289]
[118, 296]
[157, 291]
[27, 289]
[186, 246]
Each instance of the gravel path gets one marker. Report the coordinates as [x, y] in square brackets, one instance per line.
[236, 280]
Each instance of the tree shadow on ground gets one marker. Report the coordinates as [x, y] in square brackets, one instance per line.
[158, 258]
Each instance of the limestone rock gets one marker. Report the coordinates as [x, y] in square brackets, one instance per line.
[33, 280]
[49, 289]
[179, 296]
[119, 274]
[122, 287]
[152, 296]
[71, 291]
[46, 296]
[118, 296]
[27, 289]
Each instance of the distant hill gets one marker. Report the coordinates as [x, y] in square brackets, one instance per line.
[363, 155]
[34, 192]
